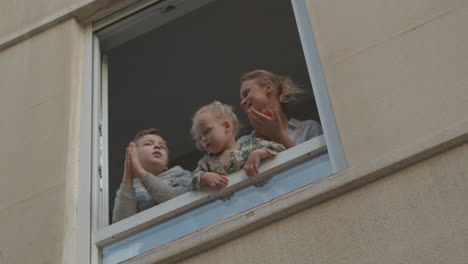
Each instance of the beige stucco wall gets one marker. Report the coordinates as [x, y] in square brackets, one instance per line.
[395, 70]
[18, 14]
[418, 215]
[40, 80]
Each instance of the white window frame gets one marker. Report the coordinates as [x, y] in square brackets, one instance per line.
[93, 229]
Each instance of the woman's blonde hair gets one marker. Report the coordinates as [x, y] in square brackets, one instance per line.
[221, 112]
[286, 88]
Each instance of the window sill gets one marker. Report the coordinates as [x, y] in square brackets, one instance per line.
[305, 197]
[188, 201]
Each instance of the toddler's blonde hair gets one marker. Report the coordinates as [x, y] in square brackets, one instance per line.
[221, 112]
[286, 88]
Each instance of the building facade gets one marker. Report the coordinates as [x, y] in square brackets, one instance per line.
[396, 77]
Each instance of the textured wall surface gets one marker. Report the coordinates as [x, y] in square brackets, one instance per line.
[395, 70]
[39, 82]
[18, 14]
[418, 215]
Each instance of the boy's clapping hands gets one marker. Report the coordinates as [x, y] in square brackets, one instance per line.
[134, 162]
[128, 174]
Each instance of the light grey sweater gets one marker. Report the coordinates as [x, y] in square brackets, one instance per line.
[298, 131]
[150, 191]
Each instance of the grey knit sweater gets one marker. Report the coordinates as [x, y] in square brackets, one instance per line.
[150, 191]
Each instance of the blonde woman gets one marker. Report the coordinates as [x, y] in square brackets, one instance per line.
[264, 96]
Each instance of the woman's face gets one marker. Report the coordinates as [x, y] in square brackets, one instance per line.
[255, 96]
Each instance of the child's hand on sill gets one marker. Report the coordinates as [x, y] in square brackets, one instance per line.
[214, 180]
[253, 162]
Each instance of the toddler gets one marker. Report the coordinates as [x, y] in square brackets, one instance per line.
[147, 181]
[214, 128]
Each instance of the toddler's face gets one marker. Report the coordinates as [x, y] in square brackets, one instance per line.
[210, 133]
[253, 95]
[152, 152]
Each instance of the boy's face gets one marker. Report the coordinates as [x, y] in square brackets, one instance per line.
[152, 152]
[211, 133]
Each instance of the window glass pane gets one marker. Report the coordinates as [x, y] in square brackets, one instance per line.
[282, 183]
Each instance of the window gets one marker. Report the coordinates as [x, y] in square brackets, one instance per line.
[156, 67]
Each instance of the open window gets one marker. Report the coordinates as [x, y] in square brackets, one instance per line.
[157, 66]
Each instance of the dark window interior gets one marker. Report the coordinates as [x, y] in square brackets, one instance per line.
[161, 72]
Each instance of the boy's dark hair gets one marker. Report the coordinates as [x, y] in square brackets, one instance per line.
[147, 131]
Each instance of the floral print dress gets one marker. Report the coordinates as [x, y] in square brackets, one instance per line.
[212, 163]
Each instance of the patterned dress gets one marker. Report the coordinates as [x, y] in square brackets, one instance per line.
[212, 163]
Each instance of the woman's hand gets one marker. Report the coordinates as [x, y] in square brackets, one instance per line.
[268, 125]
[214, 180]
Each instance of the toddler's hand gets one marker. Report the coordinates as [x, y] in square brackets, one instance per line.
[252, 163]
[214, 180]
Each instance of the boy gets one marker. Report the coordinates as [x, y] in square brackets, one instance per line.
[147, 181]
